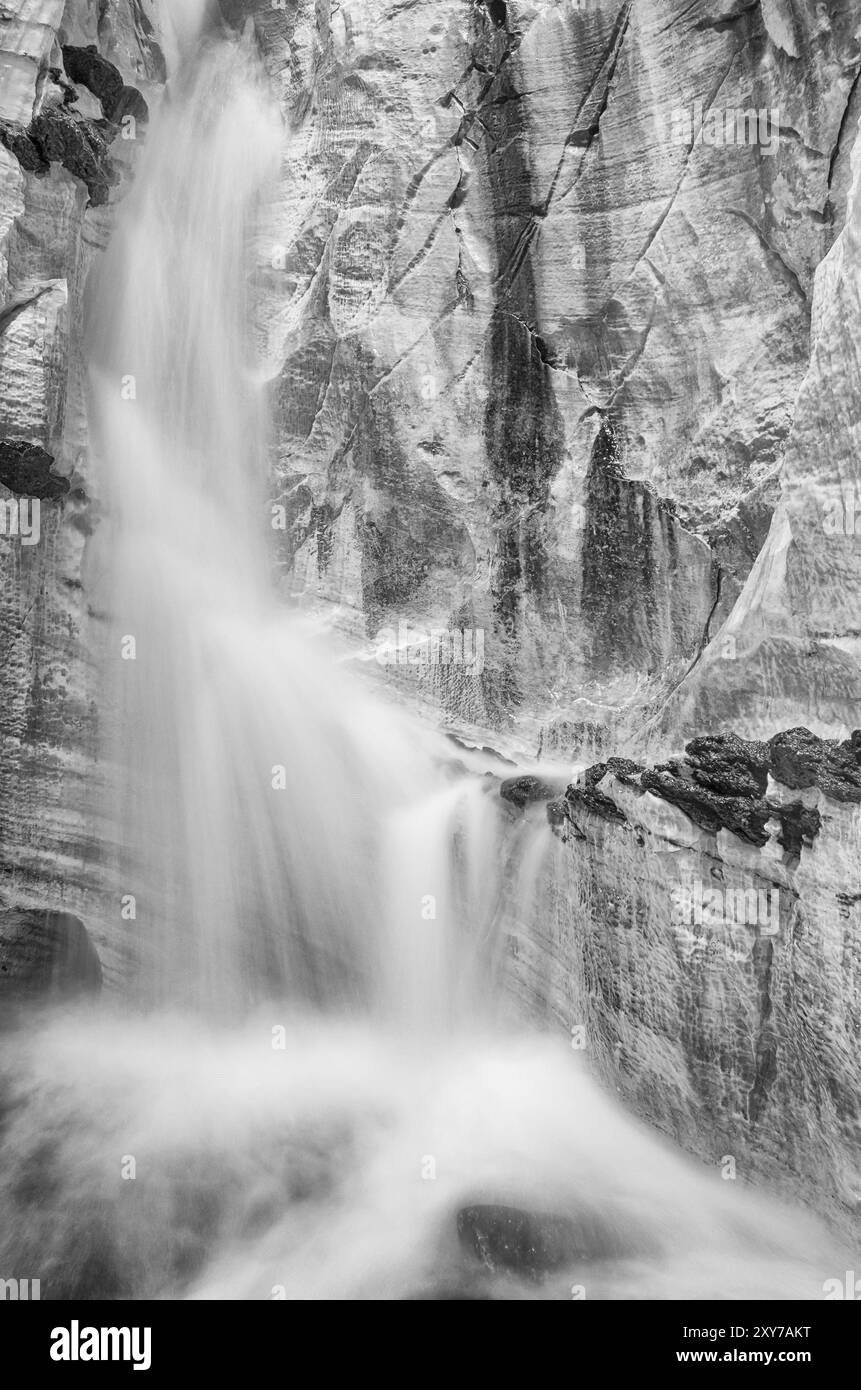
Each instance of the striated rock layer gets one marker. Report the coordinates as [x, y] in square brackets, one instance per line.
[702, 943]
[537, 342]
[70, 77]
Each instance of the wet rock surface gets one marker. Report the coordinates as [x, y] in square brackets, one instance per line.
[532, 1244]
[45, 957]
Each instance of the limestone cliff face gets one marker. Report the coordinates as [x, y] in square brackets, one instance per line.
[537, 339]
[700, 940]
[558, 304]
[71, 76]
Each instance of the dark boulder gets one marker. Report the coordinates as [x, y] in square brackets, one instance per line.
[799, 825]
[584, 792]
[722, 784]
[521, 791]
[745, 816]
[18, 142]
[801, 759]
[532, 1244]
[25, 469]
[63, 136]
[88, 67]
[729, 765]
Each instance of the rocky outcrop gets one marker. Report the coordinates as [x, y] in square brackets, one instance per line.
[721, 782]
[520, 791]
[25, 469]
[701, 940]
[91, 68]
[58, 133]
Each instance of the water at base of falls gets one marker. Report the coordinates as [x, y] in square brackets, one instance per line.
[165, 1159]
[303, 1087]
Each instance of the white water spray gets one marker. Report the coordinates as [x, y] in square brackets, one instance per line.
[261, 782]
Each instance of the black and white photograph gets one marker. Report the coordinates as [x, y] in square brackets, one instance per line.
[430, 668]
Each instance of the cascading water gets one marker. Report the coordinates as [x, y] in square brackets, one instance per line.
[315, 1080]
[246, 835]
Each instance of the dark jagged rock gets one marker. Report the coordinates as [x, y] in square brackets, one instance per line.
[131, 103]
[744, 816]
[521, 791]
[532, 1244]
[800, 759]
[25, 469]
[45, 956]
[88, 67]
[18, 142]
[799, 825]
[585, 791]
[729, 765]
[722, 782]
[623, 769]
[796, 756]
[70, 92]
[64, 137]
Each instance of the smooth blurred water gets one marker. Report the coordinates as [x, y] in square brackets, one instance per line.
[333, 1168]
[260, 782]
[306, 1074]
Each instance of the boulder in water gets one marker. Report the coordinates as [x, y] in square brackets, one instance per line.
[532, 1244]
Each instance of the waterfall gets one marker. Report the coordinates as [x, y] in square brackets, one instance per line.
[307, 1085]
[260, 784]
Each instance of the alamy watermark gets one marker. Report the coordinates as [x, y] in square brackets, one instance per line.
[695, 905]
[438, 646]
[21, 517]
[21, 1290]
[77, 1343]
[721, 126]
[846, 1288]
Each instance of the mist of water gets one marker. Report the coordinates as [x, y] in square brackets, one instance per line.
[315, 1077]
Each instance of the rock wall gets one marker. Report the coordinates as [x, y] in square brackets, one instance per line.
[73, 110]
[701, 941]
[536, 338]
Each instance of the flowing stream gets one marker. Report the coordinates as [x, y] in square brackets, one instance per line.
[307, 1084]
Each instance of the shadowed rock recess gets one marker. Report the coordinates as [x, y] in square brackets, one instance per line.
[539, 366]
